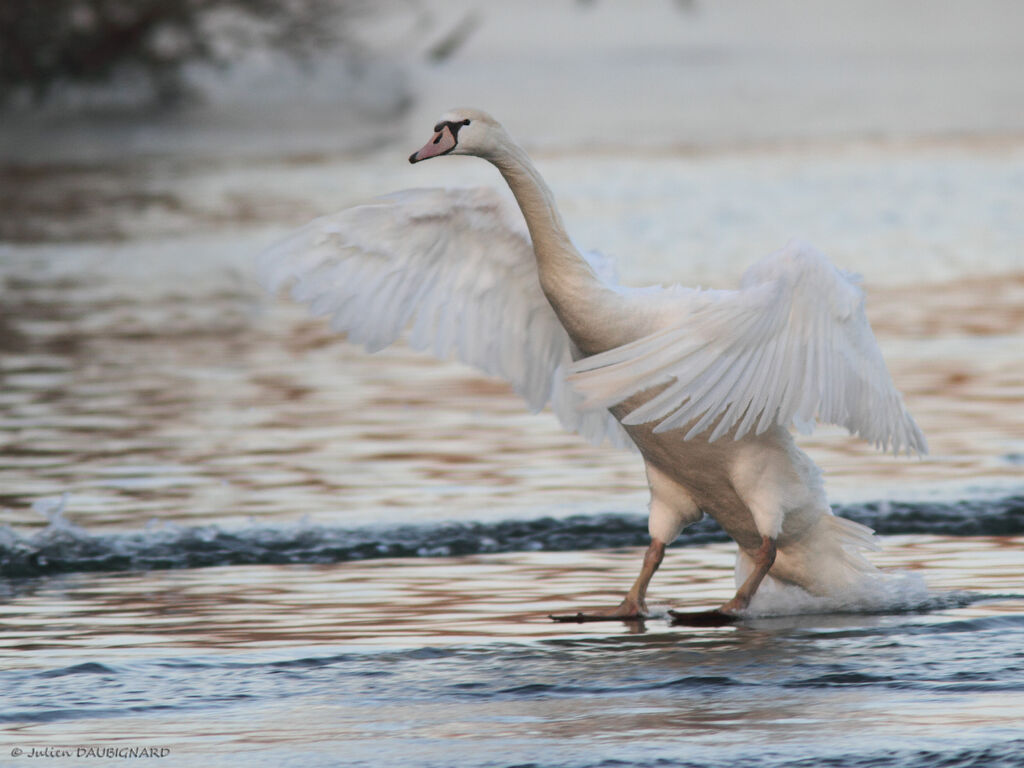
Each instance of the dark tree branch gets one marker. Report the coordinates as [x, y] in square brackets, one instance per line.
[45, 43]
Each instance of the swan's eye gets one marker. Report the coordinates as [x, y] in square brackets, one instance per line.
[466, 121]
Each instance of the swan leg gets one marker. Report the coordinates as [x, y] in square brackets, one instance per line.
[764, 558]
[671, 510]
[634, 605]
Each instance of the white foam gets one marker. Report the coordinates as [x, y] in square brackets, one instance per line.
[884, 592]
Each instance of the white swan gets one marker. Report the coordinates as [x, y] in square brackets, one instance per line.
[704, 382]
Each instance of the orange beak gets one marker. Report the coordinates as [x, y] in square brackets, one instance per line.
[442, 143]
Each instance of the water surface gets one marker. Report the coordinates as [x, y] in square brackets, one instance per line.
[443, 660]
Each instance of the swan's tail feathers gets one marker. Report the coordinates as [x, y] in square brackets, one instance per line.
[851, 534]
[847, 542]
[826, 572]
[827, 561]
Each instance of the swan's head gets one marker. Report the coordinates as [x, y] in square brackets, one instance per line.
[462, 132]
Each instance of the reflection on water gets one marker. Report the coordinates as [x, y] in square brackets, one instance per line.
[432, 601]
[159, 407]
[166, 407]
[440, 661]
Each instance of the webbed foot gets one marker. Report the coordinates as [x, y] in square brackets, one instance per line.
[713, 618]
[628, 610]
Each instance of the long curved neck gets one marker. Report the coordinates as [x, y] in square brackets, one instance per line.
[551, 244]
[568, 281]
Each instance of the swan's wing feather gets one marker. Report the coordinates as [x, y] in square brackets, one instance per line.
[792, 346]
[456, 269]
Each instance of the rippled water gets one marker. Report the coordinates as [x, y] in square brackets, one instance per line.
[444, 661]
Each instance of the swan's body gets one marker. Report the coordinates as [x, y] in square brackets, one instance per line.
[704, 383]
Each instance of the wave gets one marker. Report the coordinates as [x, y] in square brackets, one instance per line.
[999, 754]
[62, 547]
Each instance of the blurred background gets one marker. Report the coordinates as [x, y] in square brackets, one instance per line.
[95, 79]
[150, 149]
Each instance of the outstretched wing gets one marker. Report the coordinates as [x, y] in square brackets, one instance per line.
[791, 346]
[456, 268]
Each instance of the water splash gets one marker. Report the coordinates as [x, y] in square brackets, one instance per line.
[883, 592]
